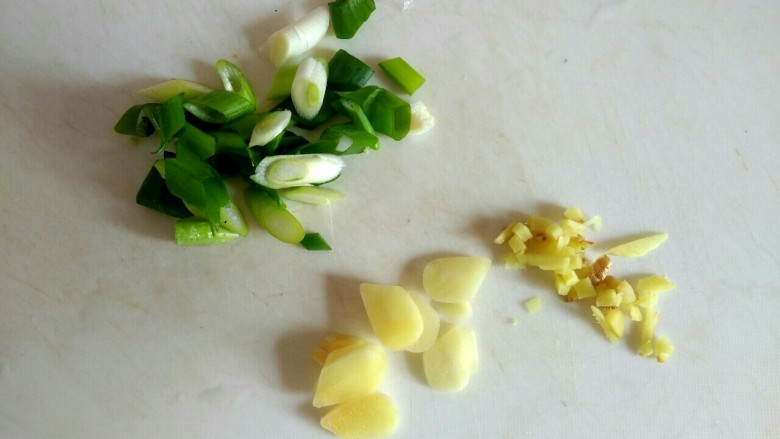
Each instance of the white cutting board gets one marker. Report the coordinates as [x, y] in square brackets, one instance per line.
[659, 116]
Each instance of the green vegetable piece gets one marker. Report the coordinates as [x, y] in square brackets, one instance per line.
[229, 142]
[244, 125]
[347, 73]
[134, 121]
[325, 114]
[315, 241]
[167, 119]
[165, 90]
[281, 84]
[357, 115]
[390, 115]
[387, 113]
[403, 74]
[197, 184]
[360, 139]
[198, 232]
[155, 195]
[197, 141]
[277, 220]
[234, 81]
[347, 16]
[219, 107]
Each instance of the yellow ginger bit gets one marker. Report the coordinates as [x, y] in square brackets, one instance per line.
[647, 333]
[638, 247]
[575, 214]
[517, 244]
[571, 227]
[636, 313]
[602, 322]
[599, 268]
[512, 262]
[654, 284]
[537, 224]
[608, 298]
[584, 289]
[616, 321]
[594, 223]
[522, 231]
[663, 349]
[533, 305]
[505, 234]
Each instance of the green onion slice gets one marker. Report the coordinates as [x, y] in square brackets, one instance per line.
[277, 220]
[390, 115]
[324, 115]
[167, 119]
[165, 90]
[314, 195]
[234, 81]
[347, 16]
[403, 74]
[270, 126]
[347, 73]
[197, 141]
[134, 121]
[155, 195]
[315, 241]
[281, 171]
[308, 87]
[281, 84]
[198, 232]
[359, 140]
[219, 107]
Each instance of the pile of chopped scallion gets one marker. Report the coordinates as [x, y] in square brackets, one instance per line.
[208, 135]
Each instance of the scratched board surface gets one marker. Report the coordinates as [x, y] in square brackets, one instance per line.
[658, 116]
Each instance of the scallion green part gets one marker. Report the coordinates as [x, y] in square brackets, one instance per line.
[403, 74]
[219, 107]
[277, 220]
[281, 84]
[192, 231]
[155, 195]
[347, 16]
[387, 113]
[325, 114]
[234, 81]
[358, 139]
[197, 141]
[165, 90]
[347, 73]
[315, 241]
[167, 119]
[134, 121]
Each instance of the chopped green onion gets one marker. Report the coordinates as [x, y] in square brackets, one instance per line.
[197, 141]
[134, 121]
[315, 195]
[232, 219]
[234, 81]
[315, 241]
[270, 126]
[167, 119]
[348, 15]
[403, 74]
[281, 171]
[281, 84]
[299, 37]
[289, 143]
[219, 107]
[356, 114]
[390, 115]
[347, 73]
[308, 87]
[277, 220]
[155, 195]
[325, 114]
[198, 232]
[197, 184]
[360, 139]
[229, 142]
[387, 113]
[165, 90]
[244, 125]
